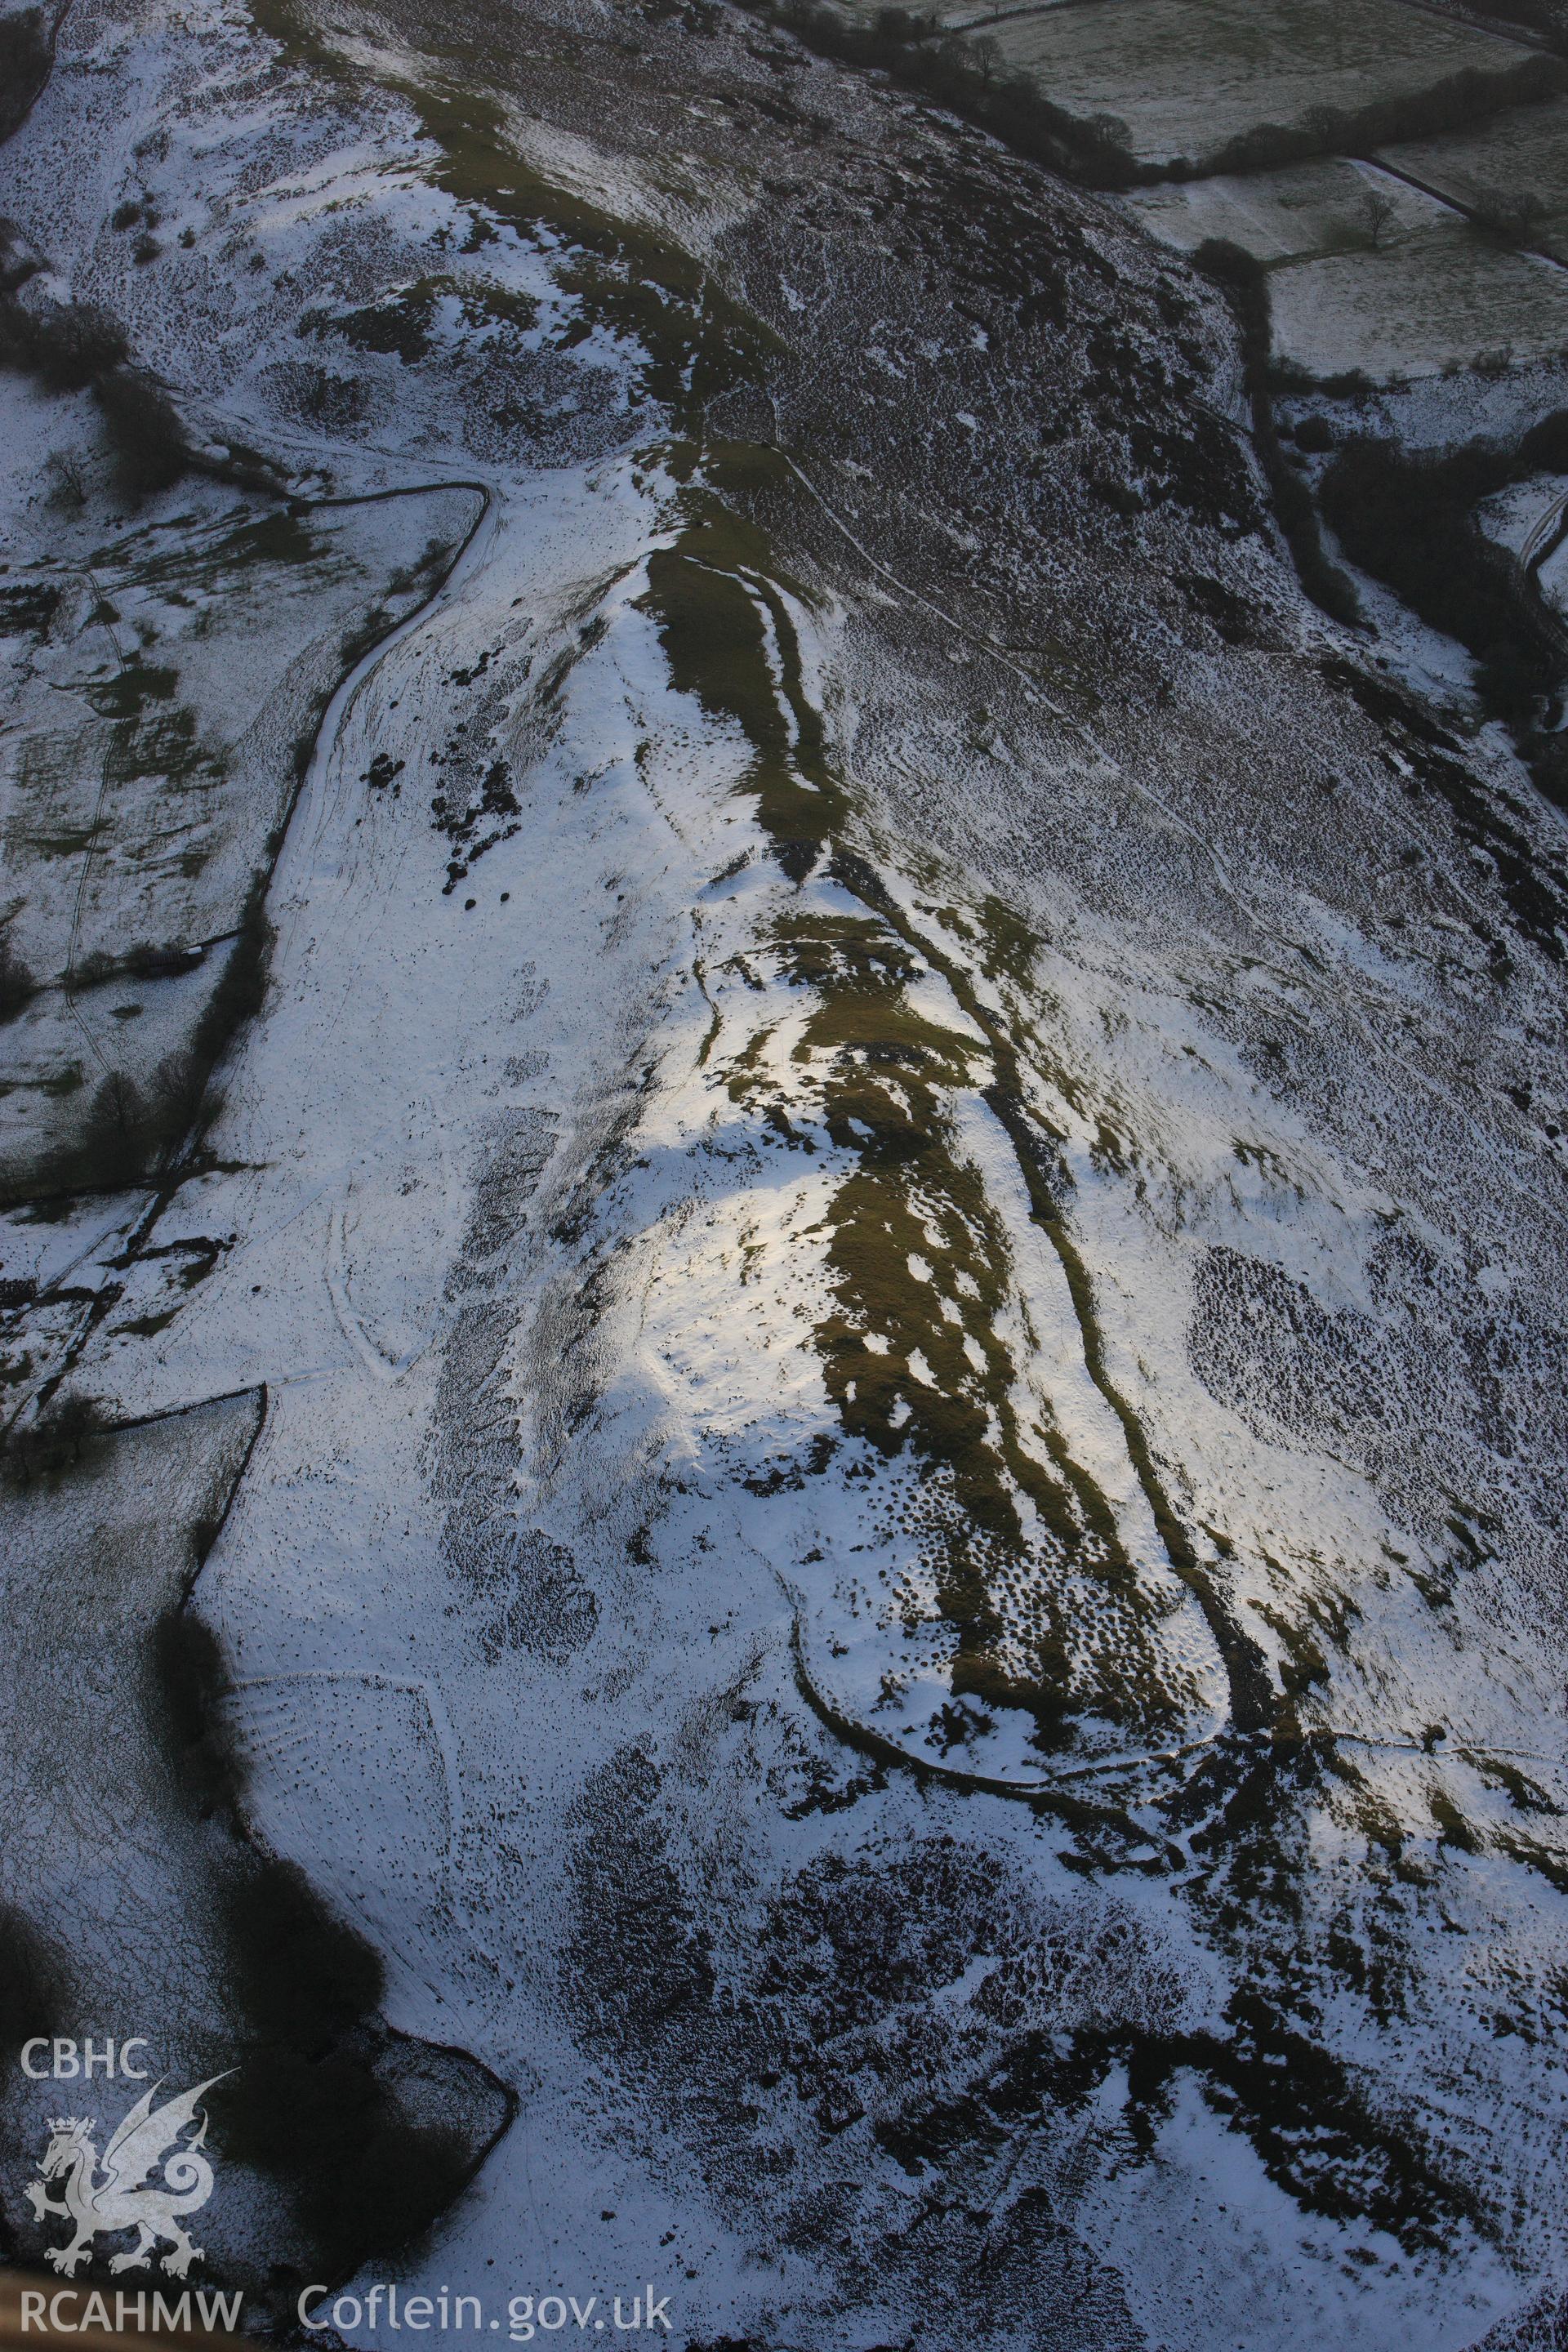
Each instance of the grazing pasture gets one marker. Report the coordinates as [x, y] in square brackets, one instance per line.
[1330, 205]
[1434, 296]
[1512, 170]
[1366, 273]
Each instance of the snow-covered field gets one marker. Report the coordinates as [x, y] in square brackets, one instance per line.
[1186, 80]
[1295, 214]
[884, 1271]
[1433, 296]
[170, 669]
[1409, 289]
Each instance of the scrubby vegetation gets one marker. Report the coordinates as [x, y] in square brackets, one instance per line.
[66, 345]
[147, 960]
[301, 1974]
[144, 427]
[309, 2105]
[1245, 285]
[242, 986]
[364, 2177]
[40, 1452]
[71, 346]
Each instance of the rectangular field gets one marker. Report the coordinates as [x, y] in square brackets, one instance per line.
[1298, 214]
[1513, 168]
[1433, 298]
[1186, 77]
[1408, 292]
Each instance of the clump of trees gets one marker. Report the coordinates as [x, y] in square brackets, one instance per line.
[1410, 521]
[42, 1451]
[72, 346]
[133, 1131]
[18, 985]
[1244, 283]
[66, 345]
[26, 53]
[1513, 215]
[128, 1129]
[311, 2106]
[966, 74]
[78, 346]
[33, 1980]
[1460, 99]
[1548, 19]
[1376, 210]
[313, 2103]
[144, 427]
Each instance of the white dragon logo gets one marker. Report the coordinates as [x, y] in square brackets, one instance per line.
[122, 2200]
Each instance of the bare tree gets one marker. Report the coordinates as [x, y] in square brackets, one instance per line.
[1376, 209]
[985, 57]
[67, 483]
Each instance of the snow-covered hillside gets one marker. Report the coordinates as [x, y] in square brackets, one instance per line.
[877, 1263]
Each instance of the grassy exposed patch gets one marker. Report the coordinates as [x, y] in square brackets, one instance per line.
[403, 321]
[630, 282]
[718, 603]
[998, 1519]
[886, 1078]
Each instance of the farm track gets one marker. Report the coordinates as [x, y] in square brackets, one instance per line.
[160, 1187]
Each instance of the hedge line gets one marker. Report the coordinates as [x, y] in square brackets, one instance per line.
[964, 73]
[1244, 283]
